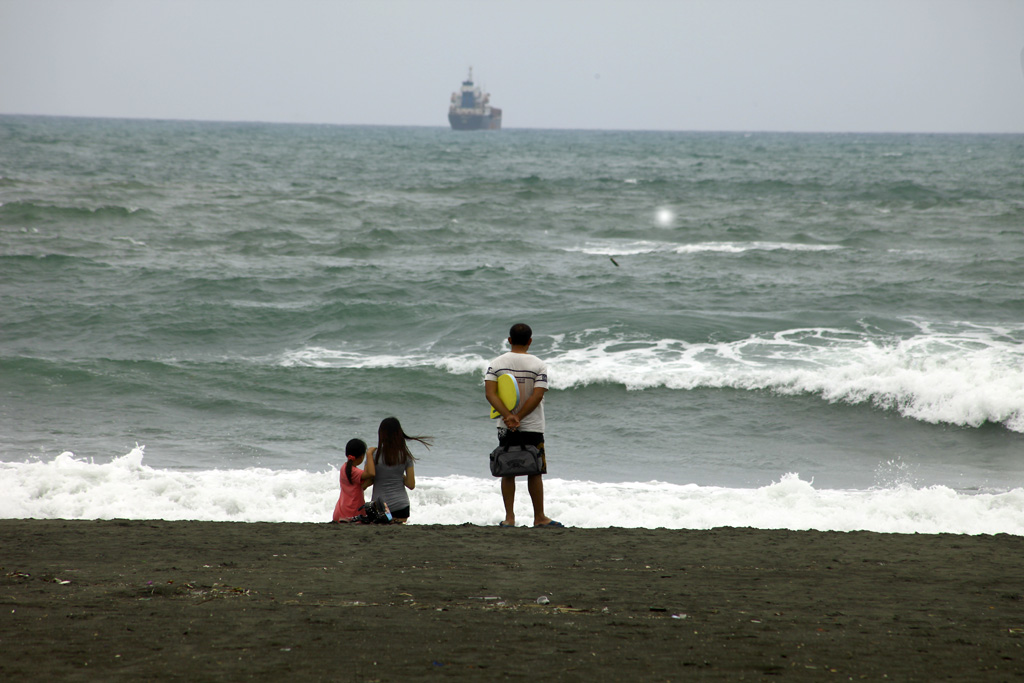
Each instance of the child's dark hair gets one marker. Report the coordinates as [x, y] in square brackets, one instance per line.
[392, 444]
[354, 447]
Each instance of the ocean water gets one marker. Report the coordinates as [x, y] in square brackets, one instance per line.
[766, 330]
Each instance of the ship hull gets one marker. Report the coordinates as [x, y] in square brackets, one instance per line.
[490, 121]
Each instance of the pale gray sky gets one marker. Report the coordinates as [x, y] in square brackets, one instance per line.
[750, 65]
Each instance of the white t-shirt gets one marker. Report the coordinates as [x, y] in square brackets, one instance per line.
[529, 372]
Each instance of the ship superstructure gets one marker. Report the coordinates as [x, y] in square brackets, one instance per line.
[470, 108]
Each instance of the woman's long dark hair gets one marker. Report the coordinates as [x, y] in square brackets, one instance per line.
[354, 447]
[393, 443]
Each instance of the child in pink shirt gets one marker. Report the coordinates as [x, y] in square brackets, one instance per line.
[353, 481]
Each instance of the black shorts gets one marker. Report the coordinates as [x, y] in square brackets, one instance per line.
[507, 437]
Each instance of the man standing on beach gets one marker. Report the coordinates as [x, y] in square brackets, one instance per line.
[524, 427]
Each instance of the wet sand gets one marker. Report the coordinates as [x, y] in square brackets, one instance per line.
[120, 600]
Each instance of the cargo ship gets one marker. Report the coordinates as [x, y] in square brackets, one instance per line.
[471, 110]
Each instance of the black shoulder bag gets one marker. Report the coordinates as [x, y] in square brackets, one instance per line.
[515, 461]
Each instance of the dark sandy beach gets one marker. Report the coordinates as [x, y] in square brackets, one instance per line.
[103, 600]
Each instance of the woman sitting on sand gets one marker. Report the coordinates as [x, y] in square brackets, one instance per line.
[353, 482]
[391, 467]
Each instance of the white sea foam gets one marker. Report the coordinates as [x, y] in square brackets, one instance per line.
[966, 378]
[320, 357]
[621, 247]
[965, 375]
[740, 247]
[69, 488]
[612, 247]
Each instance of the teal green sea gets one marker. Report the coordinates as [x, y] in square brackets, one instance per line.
[715, 309]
